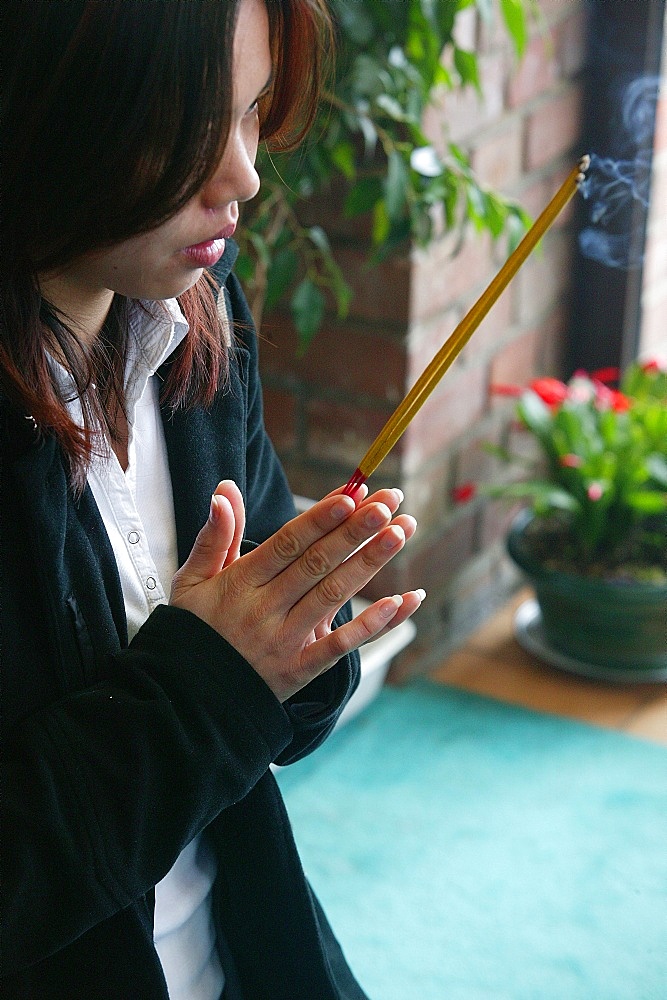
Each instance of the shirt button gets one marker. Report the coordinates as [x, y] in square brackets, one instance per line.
[150, 583]
[133, 537]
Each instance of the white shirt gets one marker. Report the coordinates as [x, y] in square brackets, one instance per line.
[137, 509]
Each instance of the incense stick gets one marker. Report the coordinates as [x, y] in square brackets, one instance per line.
[427, 381]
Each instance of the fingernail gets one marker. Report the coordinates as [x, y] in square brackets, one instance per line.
[399, 494]
[421, 594]
[393, 537]
[389, 607]
[214, 512]
[377, 516]
[342, 509]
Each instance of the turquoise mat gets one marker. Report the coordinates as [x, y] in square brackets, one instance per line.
[469, 850]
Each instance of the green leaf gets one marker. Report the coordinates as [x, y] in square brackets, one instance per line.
[280, 276]
[363, 196]
[657, 468]
[515, 21]
[391, 107]
[307, 311]
[535, 414]
[320, 239]
[396, 185]
[381, 223]
[466, 67]
[542, 495]
[342, 155]
[647, 501]
[244, 267]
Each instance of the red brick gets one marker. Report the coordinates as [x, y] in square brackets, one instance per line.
[545, 277]
[495, 520]
[474, 465]
[494, 329]
[553, 10]
[426, 339]
[343, 434]
[515, 363]
[328, 212]
[280, 418]
[537, 72]
[553, 332]
[554, 128]
[485, 340]
[570, 37]
[453, 407]
[311, 479]
[441, 278]
[429, 561]
[497, 158]
[442, 556]
[536, 196]
[426, 494]
[462, 113]
[380, 293]
[342, 357]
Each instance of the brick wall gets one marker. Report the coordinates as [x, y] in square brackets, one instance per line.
[653, 333]
[325, 409]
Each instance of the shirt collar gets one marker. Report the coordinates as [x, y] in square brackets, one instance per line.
[156, 328]
[155, 331]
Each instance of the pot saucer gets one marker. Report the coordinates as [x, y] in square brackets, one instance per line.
[529, 634]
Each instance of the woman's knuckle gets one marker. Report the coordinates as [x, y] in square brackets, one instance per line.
[339, 647]
[286, 545]
[368, 558]
[315, 563]
[330, 593]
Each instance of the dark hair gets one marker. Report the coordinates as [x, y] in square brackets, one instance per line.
[115, 114]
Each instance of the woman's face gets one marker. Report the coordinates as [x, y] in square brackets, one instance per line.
[168, 260]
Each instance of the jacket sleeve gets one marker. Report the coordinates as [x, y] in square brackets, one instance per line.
[315, 709]
[104, 787]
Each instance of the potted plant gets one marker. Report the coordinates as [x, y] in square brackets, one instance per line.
[593, 536]
[368, 150]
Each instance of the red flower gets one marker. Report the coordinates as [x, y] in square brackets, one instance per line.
[571, 461]
[594, 491]
[550, 390]
[606, 375]
[651, 366]
[620, 402]
[611, 398]
[464, 493]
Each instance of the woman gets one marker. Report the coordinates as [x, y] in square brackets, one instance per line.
[168, 629]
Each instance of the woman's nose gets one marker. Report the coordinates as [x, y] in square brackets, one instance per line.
[236, 178]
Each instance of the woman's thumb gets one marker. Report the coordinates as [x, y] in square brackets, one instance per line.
[211, 546]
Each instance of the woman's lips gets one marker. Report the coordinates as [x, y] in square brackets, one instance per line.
[209, 252]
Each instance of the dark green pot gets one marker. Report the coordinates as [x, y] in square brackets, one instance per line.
[619, 626]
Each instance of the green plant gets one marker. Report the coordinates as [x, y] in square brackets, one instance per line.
[393, 56]
[600, 484]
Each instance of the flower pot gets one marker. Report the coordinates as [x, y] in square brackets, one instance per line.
[618, 627]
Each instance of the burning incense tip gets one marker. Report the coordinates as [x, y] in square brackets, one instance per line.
[452, 347]
[584, 167]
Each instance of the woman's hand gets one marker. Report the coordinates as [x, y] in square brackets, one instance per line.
[276, 604]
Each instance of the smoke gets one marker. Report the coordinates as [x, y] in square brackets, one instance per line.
[617, 189]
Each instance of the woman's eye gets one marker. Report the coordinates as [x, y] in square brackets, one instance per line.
[254, 108]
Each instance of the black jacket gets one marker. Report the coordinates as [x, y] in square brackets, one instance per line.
[115, 756]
